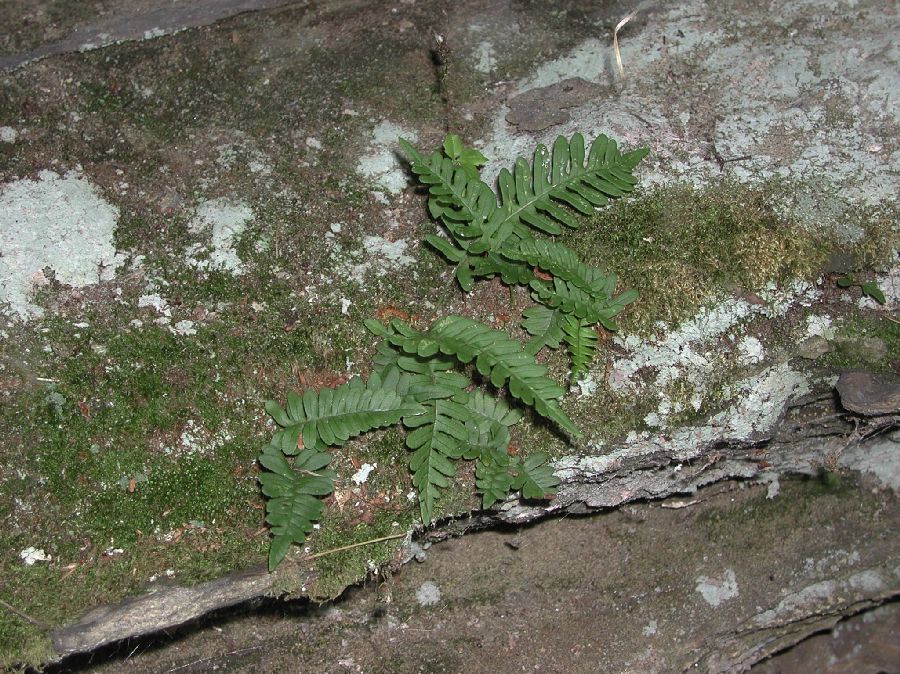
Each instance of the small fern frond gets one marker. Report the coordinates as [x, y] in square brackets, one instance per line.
[532, 194]
[544, 326]
[497, 473]
[582, 343]
[511, 272]
[560, 261]
[569, 299]
[488, 424]
[461, 202]
[435, 437]
[492, 410]
[496, 357]
[332, 416]
[451, 193]
[292, 493]
[422, 379]
[534, 477]
[493, 477]
[466, 158]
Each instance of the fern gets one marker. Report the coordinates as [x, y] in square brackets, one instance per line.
[493, 477]
[311, 422]
[466, 158]
[559, 260]
[436, 437]
[461, 425]
[461, 203]
[336, 415]
[571, 299]
[534, 477]
[533, 194]
[488, 423]
[497, 473]
[496, 357]
[582, 343]
[422, 379]
[529, 195]
[416, 378]
[491, 237]
[544, 326]
[292, 493]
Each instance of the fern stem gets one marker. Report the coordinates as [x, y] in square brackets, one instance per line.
[355, 545]
[24, 616]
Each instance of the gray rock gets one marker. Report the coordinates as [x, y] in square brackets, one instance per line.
[869, 394]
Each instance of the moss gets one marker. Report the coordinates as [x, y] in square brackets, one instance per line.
[98, 473]
[852, 346]
[679, 247]
[337, 570]
[388, 452]
[103, 97]
[21, 643]
[877, 246]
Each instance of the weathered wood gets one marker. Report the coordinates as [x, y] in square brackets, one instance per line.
[809, 438]
[869, 394]
[796, 617]
[161, 609]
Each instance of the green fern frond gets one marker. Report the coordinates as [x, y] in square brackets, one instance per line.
[435, 437]
[571, 299]
[493, 477]
[460, 201]
[496, 357]
[466, 158]
[449, 249]
[568, 298]
[453, 196]
[560, 261]
[582, 343]
[511, 272]
[422, 379]
[497, 473]
[544, 326]
[292, 493]
[332, 416]
[488, 424]
[492, 409]
[532, 194]
[534, 477]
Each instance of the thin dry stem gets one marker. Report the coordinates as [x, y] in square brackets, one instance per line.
[355, 545]
[619, 27]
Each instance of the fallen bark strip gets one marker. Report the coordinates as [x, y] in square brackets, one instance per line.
[813, 609]
[142, 23]
[809, 437]
[165, 608]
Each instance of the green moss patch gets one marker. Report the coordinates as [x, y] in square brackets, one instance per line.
[865, 341]
[680, 246]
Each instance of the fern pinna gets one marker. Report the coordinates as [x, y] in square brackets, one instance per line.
[492, 235]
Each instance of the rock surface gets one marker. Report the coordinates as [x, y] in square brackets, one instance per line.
[200, 204]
